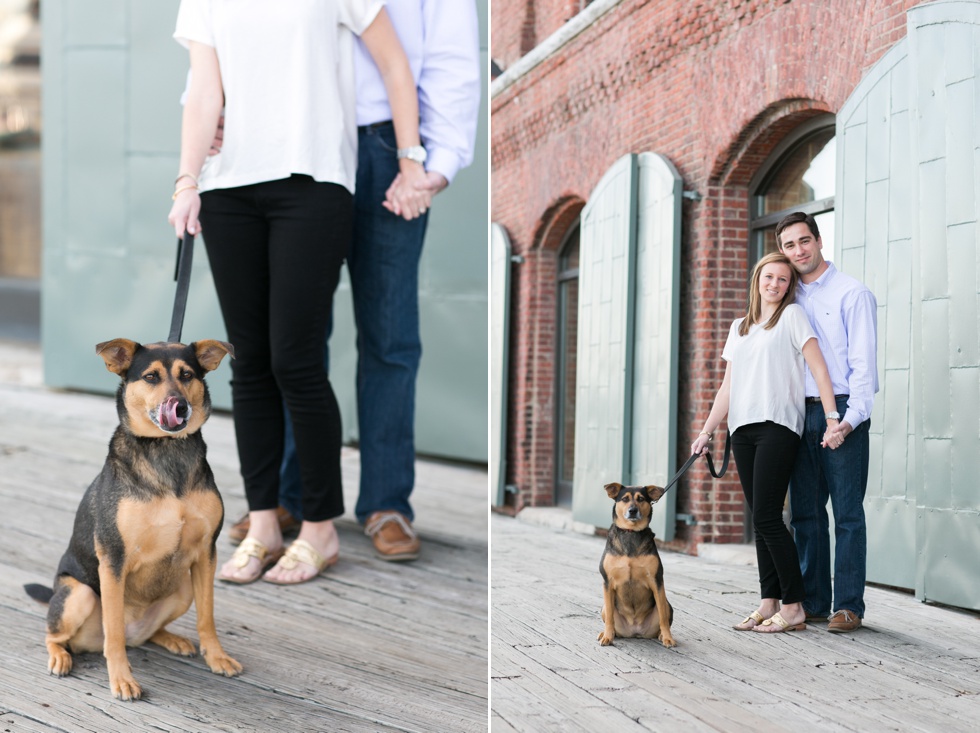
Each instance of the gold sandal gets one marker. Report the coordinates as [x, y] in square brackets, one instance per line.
[301, 551]
[780, 624]
[249, 548]
[754, 616]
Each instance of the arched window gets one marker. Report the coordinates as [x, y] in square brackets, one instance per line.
[799, 175]
[567, 343]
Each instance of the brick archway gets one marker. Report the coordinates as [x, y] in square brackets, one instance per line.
[716, 271]
[532, 438]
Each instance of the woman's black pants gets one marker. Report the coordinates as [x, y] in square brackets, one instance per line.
[765, 454]
[275, 250]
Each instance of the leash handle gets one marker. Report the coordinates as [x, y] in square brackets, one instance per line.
[711, 466]
[724, 463]
[182, 274]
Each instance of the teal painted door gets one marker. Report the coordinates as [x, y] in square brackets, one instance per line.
[499, 356]
[626, 407]
[909, 177]
[653, 424]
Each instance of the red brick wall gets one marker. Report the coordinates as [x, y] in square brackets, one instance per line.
[517, 26]
[714, 86]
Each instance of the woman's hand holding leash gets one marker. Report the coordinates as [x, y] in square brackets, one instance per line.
[186, 209]
[700, 443]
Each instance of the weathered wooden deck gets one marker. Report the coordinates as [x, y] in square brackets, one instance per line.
[914, 667]
[371, 646]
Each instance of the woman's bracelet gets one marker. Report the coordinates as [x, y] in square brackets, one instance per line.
[185, 175]
[181, 190]
[704, 433]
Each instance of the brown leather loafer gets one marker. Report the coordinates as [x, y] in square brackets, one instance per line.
[288, 524]
[393, 536]
[843, 621]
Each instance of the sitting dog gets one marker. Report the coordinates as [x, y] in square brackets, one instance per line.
[143, 545]
[634, 601]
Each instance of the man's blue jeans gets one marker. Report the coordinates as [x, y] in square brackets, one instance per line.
[842, 476]
[383, 265]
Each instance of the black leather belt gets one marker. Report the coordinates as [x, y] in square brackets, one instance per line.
[373, 126]
[816, 400]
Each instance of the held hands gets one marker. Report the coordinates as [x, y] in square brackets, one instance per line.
[410, 194]
[834, 437]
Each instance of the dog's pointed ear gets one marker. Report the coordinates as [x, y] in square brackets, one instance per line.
[655, 492]
[117, 354]
[210, 353]
[613, 490]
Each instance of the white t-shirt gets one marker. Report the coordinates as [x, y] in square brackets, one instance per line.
[768, 375]
[288, 75]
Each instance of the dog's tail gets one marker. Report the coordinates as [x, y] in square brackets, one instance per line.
[40, 593]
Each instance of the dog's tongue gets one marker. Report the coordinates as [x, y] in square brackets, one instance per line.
[168, 413]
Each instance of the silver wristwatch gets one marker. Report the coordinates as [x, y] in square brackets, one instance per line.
[832, 416]
[416, 153]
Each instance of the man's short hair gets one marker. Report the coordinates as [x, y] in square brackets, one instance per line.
[795, 218]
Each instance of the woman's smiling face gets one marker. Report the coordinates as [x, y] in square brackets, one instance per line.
[774, 282]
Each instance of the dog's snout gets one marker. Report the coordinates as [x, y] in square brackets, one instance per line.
[633, 512]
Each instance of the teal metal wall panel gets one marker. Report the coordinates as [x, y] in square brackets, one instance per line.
[852, 135]
[964, 495]
[100, 22]
[933, 272]
[873, 186]
[112, 78]
[874, 272]
[499, 358]
[94, 184]
[153, 112]
[891, 461]
[923, 516]
[451, 410]
[900, 165]
[653, 420]
[604, 351]
[964, 340]
[895, 528]
[895, 324]
[949, 570]
[960, 121]
[149, 183]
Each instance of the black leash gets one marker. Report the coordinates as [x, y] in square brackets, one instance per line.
[711, 465]
[182, 274]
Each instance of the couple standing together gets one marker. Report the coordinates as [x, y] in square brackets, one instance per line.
[799, 385]
[316, 97]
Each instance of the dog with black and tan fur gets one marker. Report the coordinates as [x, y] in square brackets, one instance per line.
[634, 600]
[143, 545]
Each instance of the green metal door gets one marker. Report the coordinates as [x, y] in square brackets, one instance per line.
[907, 226]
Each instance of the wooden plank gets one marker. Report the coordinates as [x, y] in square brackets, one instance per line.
[371, 646]
[914, 667]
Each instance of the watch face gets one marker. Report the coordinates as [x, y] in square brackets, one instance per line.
[416, 153]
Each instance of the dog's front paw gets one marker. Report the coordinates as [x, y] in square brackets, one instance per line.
[605, 638]
[125, 687]
[221, 663]
[667, 640]
[174, 644]
[59, 662]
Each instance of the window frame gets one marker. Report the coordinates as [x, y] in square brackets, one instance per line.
[800, 135]
[563, 485]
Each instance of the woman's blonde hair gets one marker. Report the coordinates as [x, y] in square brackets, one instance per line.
[754, 313]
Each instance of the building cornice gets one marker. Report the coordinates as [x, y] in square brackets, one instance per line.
[551, 45]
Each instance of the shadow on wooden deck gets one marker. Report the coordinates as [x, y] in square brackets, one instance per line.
[371, 646]
[913, 667]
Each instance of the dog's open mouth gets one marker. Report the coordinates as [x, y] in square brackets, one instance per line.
[173, 414]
